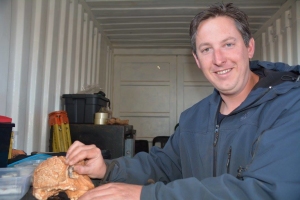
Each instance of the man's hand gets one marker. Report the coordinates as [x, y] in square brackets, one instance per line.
[94, 167]
[113, 191]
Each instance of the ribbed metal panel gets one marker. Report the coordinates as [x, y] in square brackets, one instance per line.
[54, 50]
[280, 41]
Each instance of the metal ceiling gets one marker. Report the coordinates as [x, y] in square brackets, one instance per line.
[164, 23]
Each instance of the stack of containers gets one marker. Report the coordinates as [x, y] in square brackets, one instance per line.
[5, 142]
[14, 182]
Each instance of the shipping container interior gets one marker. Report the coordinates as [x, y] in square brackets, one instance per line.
[53, 47]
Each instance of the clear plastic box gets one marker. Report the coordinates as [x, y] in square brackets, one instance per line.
[28, 166]
[14, 183]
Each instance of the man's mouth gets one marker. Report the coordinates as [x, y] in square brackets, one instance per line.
[223, 71]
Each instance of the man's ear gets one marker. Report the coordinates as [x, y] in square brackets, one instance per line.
[197, 61]
[251, 48]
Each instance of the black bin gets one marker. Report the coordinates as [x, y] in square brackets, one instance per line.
[5, 134]
[81, 108]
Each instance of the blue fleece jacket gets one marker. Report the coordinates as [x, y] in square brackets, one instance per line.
[253, 153]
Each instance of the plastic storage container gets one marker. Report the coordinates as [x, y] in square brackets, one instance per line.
[81, 108]
[28, 166]
[5, 134]
[14, 183]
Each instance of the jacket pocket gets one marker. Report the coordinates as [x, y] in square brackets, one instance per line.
[228, 160]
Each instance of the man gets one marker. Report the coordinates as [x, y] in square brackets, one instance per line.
[241, 142]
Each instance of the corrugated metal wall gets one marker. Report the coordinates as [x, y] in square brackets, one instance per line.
[55, 48]
[279, 39]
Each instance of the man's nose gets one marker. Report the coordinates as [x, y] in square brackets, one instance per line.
[218, 57]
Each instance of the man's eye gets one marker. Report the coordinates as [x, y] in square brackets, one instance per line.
[205, 50]
[229, 44]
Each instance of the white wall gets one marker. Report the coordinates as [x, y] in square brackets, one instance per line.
[153, 86]
[279, 39]
[5, 19]
[54, 47]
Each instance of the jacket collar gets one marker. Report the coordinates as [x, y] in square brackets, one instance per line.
[274, 74]
[277, 66]
[275, 79]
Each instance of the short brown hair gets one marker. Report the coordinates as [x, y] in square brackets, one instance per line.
[220, 9]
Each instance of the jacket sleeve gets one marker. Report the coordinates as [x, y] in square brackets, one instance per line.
[144, 168]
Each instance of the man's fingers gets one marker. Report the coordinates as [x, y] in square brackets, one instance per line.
[73, 146]
[113, 191]
[80, 152]
[101, 192]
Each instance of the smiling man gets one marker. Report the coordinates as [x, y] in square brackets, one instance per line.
[240, 142]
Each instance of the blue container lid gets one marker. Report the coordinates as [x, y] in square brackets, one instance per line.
[30, 158]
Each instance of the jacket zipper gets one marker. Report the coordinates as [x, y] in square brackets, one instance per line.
[216, 137]
[215, 151]
[228, 160]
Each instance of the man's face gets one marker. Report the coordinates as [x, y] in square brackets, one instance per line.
[222, 55]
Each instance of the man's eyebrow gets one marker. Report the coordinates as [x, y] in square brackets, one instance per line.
[204, 44]
[225, 40]
[229, 38]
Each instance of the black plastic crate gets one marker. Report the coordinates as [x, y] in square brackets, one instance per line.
[81, 108]
[5, 134]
